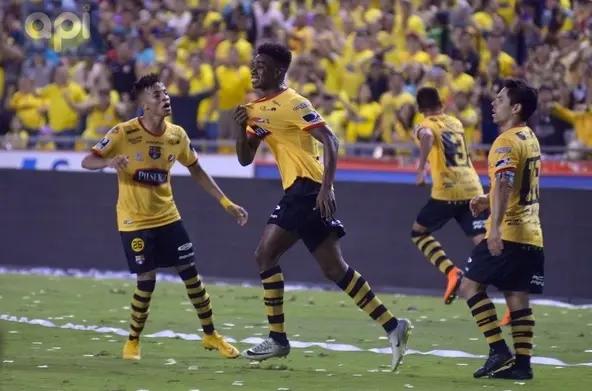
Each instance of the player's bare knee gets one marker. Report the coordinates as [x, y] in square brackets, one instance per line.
[181, 268]
[264, 258]
[418, 230]
[151, 275]
[468, 288]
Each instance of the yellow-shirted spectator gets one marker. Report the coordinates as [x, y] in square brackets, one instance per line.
[467, 114]
[363, 115]
[354, 64]
[334, 116]
[406, 21]
[413, 54]
[191, 42]
[235, 83]
[460, 80]
[237, 42]
[64, 99]
[581, 121]
[406, 119]
[28, 106]
[507, 10]
[301, 37]
[494, 52]
[103, 116]
[436, 58]
[391, 101]
[201, 78]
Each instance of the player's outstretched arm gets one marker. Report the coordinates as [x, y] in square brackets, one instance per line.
[95, 162]
[246, 147]
[211, 187]
[326, 197]
[426, 140]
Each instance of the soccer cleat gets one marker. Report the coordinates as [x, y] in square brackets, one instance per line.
[506, 320]
[513, 373]
[131, 350]
[398, 339]
[454, 277]
[217, 342]
[495, 363]
[267, 349]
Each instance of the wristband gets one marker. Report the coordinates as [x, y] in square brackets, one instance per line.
[225, 202]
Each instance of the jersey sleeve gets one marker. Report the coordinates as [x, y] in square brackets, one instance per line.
[504, 155]
[187, 156]
[302, 114]
[110, 145]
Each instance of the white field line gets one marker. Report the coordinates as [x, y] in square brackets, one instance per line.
[121, 275]
[255, 340]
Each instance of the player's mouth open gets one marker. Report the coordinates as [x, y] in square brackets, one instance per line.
[167, 106]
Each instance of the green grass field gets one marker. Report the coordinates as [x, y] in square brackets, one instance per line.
[40, 358]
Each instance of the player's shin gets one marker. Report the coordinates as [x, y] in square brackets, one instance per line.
[139, 307]
[360, 291]
[199, 298]
[433, 251]
[522, 333]
[273, 296]
[483, 312]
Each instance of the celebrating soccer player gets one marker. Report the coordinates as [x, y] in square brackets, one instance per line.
[291, 127]
[143, 150]
[455, 182]
[511, 258]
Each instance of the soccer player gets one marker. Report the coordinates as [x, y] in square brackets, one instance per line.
[143, 150]
[455, 182]
[292, 129]
[511, 258]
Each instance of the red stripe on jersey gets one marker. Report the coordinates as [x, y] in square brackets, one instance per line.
[310, 127]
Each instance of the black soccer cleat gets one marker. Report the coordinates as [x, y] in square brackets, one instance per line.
[513, 373]
[496, 362]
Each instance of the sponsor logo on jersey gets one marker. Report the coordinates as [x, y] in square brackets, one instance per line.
[267, 108]
[503, 150]
[135, 140]
[185, 247]
[151, 176]
[311, 117]
[137, 245]
[174, 140]
[301, 106]
[187, 255]
[130, 131]
[154, 152]
[153, 142]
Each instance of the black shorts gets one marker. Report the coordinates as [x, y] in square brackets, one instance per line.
[297, 213]
[436, 213]
[520, 267]
[153, 248]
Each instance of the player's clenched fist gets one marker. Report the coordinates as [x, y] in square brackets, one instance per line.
[119, 162]
[241, 116]
[479, 204]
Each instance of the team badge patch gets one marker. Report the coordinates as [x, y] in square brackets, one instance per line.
[154, 151]
[137, 244]
[311, 117]
[102, 144]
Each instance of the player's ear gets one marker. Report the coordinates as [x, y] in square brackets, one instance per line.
[516, 108]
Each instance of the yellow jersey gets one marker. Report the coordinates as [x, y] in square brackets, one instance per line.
[453, 176]
[28, 107]
[145, 195]
[518, 149]
[234, 85]
[283, 121]
[366, 127]
[61, 115]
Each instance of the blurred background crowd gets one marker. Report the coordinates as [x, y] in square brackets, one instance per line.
[359, 61]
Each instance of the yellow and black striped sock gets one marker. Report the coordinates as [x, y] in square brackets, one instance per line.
[199, 298]
[522, 333]
[358, 289]
[273, 296]
[483, 312]
[139, 306]
[432, 250]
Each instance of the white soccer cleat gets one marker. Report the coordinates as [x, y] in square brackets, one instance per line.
[266, 349]
[398, 339]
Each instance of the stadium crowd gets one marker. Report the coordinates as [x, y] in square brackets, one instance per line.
[359, 61]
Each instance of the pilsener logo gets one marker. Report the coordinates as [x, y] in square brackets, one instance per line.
[67, 30]
[153, 177]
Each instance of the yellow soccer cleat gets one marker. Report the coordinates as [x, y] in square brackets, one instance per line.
[131, 350]
[217, 342]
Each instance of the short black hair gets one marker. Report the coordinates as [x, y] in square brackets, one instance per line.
[143, 83]
[428, 99]
[278, 52]
[519, 92]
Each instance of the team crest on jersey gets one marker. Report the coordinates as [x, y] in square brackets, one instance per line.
[102, 144]
[301, 106]
[154, 152]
